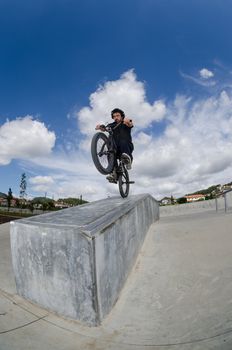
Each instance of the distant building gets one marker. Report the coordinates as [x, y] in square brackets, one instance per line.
[226, 187]
[62, 205]
[13, 202]
[166, 201]
[3, 199]
[3, 202]
[194, 197]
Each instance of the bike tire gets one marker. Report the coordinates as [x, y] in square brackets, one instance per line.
[123, 182]
[102, 157]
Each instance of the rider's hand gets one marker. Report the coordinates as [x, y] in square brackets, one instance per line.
[128, 122]
[100, 127]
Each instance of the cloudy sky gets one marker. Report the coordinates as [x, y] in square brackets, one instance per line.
[65, 64]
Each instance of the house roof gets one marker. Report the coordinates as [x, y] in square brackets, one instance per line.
[165, 198]
[195, 195]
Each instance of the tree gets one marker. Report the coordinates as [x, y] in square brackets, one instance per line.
[181, 200]
[17, 202]
[45, 203]
[30, 206]
[9, 198]
[23, 187]
[72, 201]
[172, 200]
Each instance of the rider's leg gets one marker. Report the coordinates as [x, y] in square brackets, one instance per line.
[125, 147]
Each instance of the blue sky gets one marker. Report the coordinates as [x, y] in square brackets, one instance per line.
[65, 64]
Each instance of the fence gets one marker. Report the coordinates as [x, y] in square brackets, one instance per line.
[224, 201]
[20, 210]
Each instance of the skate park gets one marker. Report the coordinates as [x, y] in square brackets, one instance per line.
[176, 293]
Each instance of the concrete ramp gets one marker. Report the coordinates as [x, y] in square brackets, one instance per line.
[76, 261]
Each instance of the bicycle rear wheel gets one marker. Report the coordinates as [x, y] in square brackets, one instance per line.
[123, 182]
[102, 156]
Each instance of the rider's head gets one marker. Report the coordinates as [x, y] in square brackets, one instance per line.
[118, 115]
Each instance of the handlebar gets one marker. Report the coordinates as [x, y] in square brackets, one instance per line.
[105, 128]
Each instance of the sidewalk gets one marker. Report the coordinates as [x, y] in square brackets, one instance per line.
[178, 296]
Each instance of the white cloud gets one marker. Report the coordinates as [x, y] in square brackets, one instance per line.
[65, 184]
[41, 183]
[205, 73]
[24, 138]
[126, 93]
[200, 81]
[143, 139]
[195, 149]
[41, 180]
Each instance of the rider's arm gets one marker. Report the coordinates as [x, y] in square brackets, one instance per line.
[128, 122]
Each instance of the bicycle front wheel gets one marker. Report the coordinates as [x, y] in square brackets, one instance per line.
[123, 182]
[102, 156]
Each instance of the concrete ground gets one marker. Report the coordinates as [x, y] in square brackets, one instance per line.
[178, 296]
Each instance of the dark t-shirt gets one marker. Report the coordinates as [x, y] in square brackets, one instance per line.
[121, 132]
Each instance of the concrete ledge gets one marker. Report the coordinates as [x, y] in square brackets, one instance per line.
[76, 261]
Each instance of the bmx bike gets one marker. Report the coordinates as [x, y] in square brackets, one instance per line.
[103, 150]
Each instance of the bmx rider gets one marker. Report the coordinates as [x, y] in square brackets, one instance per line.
[121, 127]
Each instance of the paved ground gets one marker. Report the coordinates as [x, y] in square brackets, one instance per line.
[179, 295]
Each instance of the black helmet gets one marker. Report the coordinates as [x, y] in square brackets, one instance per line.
[117, 110]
